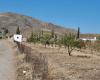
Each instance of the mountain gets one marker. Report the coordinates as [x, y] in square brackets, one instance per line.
[28, 24]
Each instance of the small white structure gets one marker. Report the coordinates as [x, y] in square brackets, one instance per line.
[17, 37]
[89, 39]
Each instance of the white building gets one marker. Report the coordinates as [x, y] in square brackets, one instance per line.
[17, 37]
[90, 39]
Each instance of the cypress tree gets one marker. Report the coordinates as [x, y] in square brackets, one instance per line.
[55, 39]
[31, 38]
[52, 33]
[78, 33]
[17, 31]
[5, 31]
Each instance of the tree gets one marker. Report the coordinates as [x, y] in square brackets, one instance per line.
[69, 41]
[5, 31]
[46, 39]
[60, 41]
[51, 41]
[78, 33]
[52, 33]
[30, 39]
[36, 38]
[55, 39]
[17, 30]
[98, 37]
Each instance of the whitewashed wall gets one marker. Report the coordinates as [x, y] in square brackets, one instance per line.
[17, 37]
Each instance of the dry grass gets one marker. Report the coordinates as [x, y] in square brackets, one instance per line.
[20, 58]
[20, 64]
[81, 65]
[24, 76]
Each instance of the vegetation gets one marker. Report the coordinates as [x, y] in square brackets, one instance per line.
[6, 31]
[55, 40]
[94, 46]
[31, 38]
[52, 33]
[98, 37]
[17, 30]
[11, 36]
[68, 40]
[78, 33]
[46, 39]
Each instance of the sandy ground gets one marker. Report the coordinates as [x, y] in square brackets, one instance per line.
[79, 66]
[6, 61]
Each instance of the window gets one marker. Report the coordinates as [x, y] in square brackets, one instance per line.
[17, 37]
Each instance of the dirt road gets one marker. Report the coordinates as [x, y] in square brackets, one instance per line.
[6, 61]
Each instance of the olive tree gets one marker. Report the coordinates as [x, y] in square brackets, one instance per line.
[70, 42]
[46, 39]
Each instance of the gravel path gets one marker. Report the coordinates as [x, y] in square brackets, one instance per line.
[6, 61]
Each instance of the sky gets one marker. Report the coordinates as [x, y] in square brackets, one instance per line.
[65, 13]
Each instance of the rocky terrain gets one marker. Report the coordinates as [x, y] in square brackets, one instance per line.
[28, 24]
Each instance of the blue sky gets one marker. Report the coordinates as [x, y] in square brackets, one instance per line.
[65, 13]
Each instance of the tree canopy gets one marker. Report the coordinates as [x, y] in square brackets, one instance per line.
[17, 30]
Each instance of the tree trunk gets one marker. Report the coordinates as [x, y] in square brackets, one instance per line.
[59, 47]
[69, 51]
[45, 46]
[65, 47]
[52, 45]
[55, 44]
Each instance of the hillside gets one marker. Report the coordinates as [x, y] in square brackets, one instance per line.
[27, 24]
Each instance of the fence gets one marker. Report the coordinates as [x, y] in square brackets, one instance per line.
[38, 60]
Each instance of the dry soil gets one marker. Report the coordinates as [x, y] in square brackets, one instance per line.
[6, 61]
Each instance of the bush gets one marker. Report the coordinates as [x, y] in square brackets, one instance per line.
[98, 37]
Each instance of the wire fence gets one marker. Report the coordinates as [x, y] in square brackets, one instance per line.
[40, 63]
[36, 59]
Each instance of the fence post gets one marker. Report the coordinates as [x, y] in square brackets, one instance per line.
[43, 68]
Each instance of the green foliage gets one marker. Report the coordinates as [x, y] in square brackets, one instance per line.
[51, 41]
[34, 38]
[60, 41]
[11, 36]
[78, 32]
[93, 46]
[30, 39]
[5, 31]
[46, 39]
[96, 45]
[80, 44]
[68, 40]
[17, 30]
[88, 41]
[52, 33]
[98, 37]
[55, 40]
